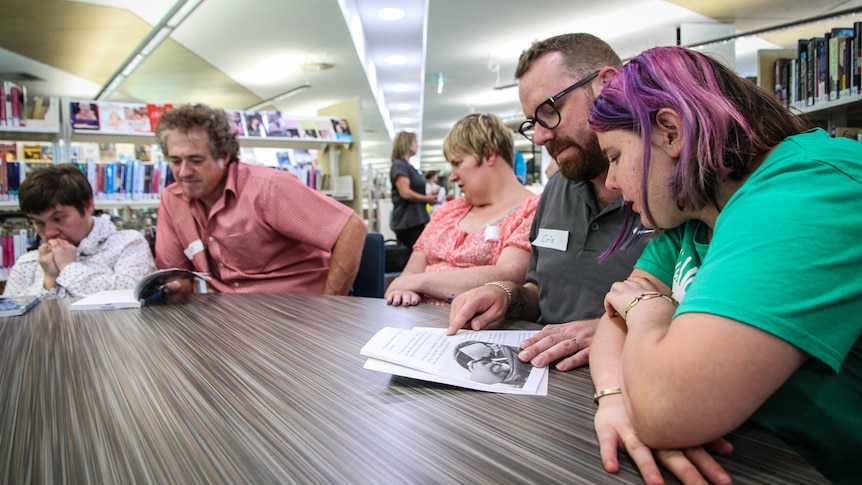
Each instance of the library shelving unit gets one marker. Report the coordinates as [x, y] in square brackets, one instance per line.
[832, 115]
[338, 158]
[44, 130]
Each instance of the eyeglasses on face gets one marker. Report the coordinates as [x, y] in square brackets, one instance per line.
[547, 113]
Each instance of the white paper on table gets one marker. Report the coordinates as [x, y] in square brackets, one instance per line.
[463, 359]
[400, 370]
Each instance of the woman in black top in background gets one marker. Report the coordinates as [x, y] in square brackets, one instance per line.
[409, 212]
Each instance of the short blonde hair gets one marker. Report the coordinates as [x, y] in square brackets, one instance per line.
[480, 135]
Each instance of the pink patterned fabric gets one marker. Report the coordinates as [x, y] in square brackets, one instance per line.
[447, 247]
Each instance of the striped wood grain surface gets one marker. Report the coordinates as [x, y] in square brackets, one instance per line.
[270, 389]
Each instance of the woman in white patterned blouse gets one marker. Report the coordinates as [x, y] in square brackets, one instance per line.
[80, 254]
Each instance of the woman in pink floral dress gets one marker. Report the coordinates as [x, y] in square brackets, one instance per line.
[480, 237]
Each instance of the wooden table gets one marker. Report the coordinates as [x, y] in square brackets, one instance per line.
[270, 389]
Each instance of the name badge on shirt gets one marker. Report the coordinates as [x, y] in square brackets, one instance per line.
[552, 239]
[492, 233]
[195, 247]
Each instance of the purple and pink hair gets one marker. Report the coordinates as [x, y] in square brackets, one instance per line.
[728, 122]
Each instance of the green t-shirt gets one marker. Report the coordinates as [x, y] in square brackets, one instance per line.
[785, 257]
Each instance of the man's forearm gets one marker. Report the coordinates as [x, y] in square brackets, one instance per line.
[346, 254]
[525, 301]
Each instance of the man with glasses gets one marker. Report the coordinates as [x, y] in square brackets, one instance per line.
[577, 217]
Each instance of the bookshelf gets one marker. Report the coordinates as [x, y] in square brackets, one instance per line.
[820, 78]
[842, 112]
[337, 157]
[62, 130]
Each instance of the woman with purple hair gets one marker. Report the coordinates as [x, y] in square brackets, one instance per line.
[747, 304]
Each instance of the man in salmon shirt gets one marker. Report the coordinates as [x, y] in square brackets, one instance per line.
[254, 229]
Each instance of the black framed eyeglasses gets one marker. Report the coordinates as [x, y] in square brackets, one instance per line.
[547, 113]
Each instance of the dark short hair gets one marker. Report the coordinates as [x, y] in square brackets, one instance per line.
[62, 184]
[213, 121]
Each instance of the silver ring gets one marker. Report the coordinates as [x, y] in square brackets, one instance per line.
[577, 342]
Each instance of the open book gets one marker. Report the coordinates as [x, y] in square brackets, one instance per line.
[486, 360]
[148, 291]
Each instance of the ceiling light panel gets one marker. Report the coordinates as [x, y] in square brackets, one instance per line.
[390, 13]
[397, 60]
[398, 52]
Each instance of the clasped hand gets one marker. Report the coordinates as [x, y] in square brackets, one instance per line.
[56, 254]
[622, 293]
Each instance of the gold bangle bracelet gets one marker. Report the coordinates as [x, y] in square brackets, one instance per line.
[505, 288]
[648, 296]
[606, 392]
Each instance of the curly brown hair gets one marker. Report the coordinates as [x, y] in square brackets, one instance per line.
[213, 121]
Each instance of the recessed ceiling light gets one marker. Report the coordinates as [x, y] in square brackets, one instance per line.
[403, 106]
[396, 60]
[400, 88]
[405, 120]
[309, 65]
[390, 13]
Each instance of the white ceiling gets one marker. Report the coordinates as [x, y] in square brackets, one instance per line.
[260, 44]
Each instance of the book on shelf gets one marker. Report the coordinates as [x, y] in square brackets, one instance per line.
[856, 56]
[9, 150]
[154, 112]
[284, 159]
[485, 360]
[837, 59]
[274, 127]
[11, 306]
[324, 129]
[782, 79]
[341, 129]
[254, 124]
[138, 118]
[148, 291]
[14, 246]
[32, 152]
[802, 71]
[108, 152]
[84, 115]
[854, 133]
[291, 127]
[820, 61]
[36, 108]
[14, 98]
[112, 118]
[3, 116]
[308, 128]
[237, 121]
[12, 180]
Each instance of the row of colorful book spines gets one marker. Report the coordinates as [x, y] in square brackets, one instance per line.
[127, 180]
[826, 68]
[307, 175]
[13, 246]
[108, 180]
